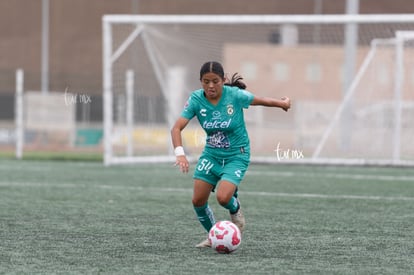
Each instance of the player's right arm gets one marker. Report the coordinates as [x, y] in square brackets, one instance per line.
[181, 159]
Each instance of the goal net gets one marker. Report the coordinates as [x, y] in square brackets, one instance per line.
[349, 79]
[373, 120]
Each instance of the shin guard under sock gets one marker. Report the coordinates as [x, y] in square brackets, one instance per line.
[205, 216]
[233, 205]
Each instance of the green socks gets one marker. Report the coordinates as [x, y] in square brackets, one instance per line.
[233, 205]
[205, 216]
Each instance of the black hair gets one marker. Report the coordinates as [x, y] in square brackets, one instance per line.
[217, 68]
[212, 67]
[236, 80]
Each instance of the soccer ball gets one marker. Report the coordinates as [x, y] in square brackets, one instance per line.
[225, 237]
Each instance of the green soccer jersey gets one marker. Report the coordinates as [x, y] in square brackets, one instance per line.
[223, 123]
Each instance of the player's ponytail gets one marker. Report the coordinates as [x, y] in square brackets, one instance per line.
[236, 80]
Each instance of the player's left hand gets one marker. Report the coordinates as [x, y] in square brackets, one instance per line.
[286, 101]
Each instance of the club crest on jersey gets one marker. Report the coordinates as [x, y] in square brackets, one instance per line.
[230, 109]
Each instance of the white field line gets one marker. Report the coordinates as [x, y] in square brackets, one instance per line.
[8, 167]
[322, 196]
[333, 176]
[189, 190]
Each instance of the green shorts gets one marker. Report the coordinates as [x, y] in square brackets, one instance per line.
[212, 170]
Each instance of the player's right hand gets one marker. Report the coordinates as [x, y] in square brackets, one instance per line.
[182, 163]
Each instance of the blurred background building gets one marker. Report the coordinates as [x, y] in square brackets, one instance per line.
[75, 39]
[75, 36]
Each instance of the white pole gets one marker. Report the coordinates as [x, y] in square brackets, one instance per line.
[107, 91]
[134, 6]
[175, 83]
[351, 45]
[45, 47]
[317, 9]
[19, 113]
[398, 85]
[129, 78]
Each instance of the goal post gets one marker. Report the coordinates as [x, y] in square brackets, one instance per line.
[392, 101]
[300, 56]
[402, 37]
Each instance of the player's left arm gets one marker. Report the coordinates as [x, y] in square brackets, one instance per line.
[283, 103]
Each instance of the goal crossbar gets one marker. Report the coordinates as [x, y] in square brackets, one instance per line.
[262, 19]
[111, 52]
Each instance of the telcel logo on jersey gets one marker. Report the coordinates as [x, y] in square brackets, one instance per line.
[216, 124]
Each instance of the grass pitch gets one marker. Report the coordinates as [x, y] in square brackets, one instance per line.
[83, 218]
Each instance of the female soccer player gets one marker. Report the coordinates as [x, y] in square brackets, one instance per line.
[226, 156]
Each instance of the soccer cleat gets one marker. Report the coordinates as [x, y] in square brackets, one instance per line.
[205, 243]
[238, 218]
